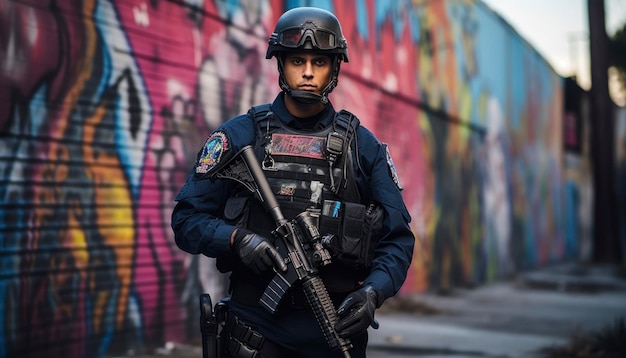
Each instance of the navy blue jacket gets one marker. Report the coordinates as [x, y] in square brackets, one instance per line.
[198, 229]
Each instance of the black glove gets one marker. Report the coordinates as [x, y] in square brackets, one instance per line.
[356, 312]
[256, 252]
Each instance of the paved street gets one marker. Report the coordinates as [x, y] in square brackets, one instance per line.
[511, 319]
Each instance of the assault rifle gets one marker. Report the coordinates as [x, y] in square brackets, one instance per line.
[299, 243]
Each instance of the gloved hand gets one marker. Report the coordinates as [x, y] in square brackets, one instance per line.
[256, 252]
[356, 312]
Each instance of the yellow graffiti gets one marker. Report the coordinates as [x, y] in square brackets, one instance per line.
[114, 214]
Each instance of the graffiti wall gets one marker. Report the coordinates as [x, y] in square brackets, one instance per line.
[104, 104]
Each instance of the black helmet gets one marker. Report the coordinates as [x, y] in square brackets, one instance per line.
[308, 29]
[300, 24]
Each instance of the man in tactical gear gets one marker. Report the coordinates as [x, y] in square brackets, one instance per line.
[316, 160]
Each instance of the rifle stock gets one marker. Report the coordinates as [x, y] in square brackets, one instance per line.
[245, 169]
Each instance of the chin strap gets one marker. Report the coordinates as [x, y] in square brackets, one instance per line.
[305, 97]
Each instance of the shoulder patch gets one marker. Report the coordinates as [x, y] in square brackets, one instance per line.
[392, 168]
[214, 150]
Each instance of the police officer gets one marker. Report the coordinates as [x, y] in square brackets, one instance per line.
[318, 160]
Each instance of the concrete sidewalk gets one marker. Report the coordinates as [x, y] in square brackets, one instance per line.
[513, 319]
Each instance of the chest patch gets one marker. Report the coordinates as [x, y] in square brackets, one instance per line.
[214, 148]
[298, 145]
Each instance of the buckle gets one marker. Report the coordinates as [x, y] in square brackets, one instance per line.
[247, 335]
[254, 339]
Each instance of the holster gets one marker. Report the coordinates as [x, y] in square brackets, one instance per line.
[211, 322]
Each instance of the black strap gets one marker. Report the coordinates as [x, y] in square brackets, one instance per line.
[265, 122]
[259, 111]
[241, 340]
[345, 124]
[243, 333]
[261, 116]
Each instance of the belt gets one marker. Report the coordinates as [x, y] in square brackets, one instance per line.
[240, 331]
[242, 340]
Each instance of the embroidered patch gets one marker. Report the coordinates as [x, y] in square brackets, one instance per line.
[392, 168]
[298, 145]
[287, 189]
[214, 148]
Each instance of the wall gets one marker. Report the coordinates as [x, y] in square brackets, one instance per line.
[104, 104]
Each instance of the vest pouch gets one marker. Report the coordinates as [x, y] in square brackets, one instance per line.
[236, 212]
[330, 225]
[352, 232]
[360, 229]
[373, 228]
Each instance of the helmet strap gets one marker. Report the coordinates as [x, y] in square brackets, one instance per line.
[306, 98]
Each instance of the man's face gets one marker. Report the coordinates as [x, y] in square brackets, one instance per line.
[307, 71]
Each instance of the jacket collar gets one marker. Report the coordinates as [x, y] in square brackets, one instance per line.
[280, 110]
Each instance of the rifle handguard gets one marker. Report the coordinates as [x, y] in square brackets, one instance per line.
[324, 311]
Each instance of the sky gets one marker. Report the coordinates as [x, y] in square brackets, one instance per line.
[559, 30]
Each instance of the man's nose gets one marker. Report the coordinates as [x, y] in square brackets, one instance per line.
[308, 69]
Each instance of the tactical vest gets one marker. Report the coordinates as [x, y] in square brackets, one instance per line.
[308, 170]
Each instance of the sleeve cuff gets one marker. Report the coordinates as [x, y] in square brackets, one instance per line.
[379, 281]
[222, 238]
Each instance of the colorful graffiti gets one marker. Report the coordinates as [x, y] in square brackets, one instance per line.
[104, 103]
